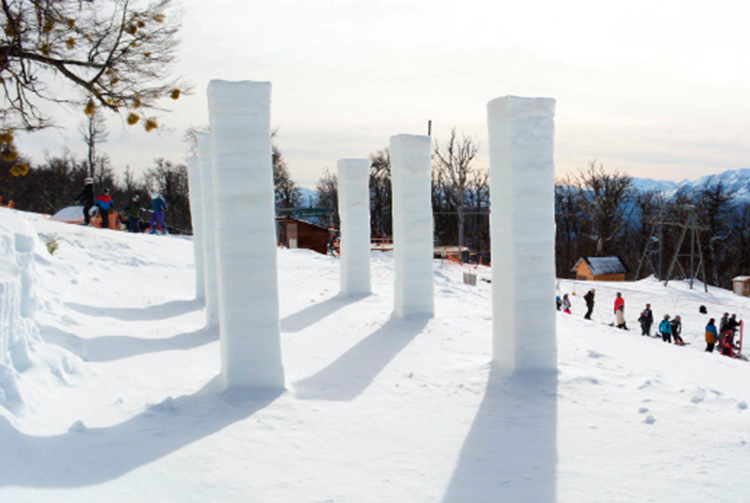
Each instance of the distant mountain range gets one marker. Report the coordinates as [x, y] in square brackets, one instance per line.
[736, 181]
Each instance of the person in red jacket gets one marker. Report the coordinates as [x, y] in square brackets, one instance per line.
[104, 203]
[619, 302]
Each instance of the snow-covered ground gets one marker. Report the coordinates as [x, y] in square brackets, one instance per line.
[121, 405]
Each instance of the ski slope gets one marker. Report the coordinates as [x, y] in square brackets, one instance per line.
[121, 404]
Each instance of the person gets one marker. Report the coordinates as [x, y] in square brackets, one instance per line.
[677, 330]
[158, 206]
[711, 335]
[87, 198]
[732, 324]
[104, 203]
[566, 304]
[723, 328]
[665, 329]
[727, 346]
[646, 319]
[589, 298]
[619, 302]
[620, 315]
[558, 302]
[133, 211]
[333, 242]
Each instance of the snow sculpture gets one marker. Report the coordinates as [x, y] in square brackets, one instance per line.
[354, 212]
[412, 225]
[522, 226]
[18, 332]
[240, 115]
[209, 234]
[196, 212]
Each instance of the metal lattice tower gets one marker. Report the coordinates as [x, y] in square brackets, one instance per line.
[654, 249]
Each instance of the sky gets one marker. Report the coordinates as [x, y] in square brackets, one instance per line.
[652, 89]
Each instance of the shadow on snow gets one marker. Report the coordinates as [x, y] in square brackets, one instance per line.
[148, 313]
[350, 374]
[108, 348]
[510, 453]
[96, 455]
[312, 314]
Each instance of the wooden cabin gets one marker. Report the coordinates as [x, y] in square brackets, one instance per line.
[741, 285]
[295, 233]
[600, 269]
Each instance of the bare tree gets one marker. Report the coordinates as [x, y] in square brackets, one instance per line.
[328, 194]
[114, 54]
[454, 165]
[286, 192]
[381, 197]
[714, 204]
[607, 197]
[93, 131]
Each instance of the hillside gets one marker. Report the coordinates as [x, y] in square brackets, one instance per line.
[120, 403]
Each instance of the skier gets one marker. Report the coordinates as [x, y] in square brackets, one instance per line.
[104, 203]
[589, 298]
[711, 335]
[665, 329]
[566, 304]
[677, 330]
[158, 206]
[87, 198]
[620, 316]
[133, 211]
[646, 320]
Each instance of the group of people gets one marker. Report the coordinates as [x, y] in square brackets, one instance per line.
[132, 210]
[670, 329]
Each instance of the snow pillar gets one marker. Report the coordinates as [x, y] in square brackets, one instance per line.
[412, 225]
[196, 212]
[522, 227]
[209, 231]
[354, 212]
[239, 115]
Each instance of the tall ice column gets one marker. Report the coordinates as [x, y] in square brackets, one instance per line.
[240, 115]
[354, 212]
[196, 212]
[522, 227]
[412, 225]
[209, 231]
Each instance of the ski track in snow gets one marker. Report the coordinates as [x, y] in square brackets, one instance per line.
[122, 403]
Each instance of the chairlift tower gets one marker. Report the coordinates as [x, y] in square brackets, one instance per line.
[654, 247]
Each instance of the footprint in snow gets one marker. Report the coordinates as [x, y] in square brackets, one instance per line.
[594, 354]
[698, 396]
[742, 405]
[649, 420]
[642, 410]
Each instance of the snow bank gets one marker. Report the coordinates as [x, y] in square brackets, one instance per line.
[354, 212]
[240, 115]
[18, 333]
[522, 225]
[412, 224]
[196, 212]
[209, 232]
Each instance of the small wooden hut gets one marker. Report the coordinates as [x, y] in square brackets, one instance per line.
[741, 285]
[295, 233]
[600, 269]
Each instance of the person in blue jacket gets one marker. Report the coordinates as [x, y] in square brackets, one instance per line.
[665, 329]
[104, 203]
[158, 206]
